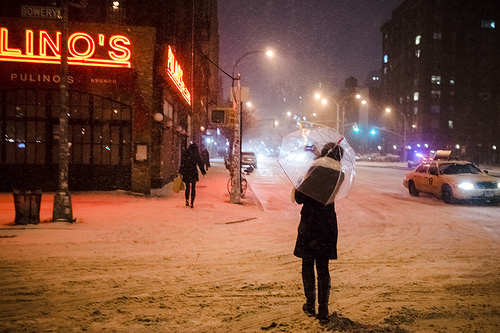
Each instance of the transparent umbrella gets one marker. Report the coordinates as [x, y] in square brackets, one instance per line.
[323, 178]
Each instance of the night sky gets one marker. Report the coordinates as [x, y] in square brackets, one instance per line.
[314, 40]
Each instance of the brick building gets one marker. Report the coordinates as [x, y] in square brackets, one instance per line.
[140, 86]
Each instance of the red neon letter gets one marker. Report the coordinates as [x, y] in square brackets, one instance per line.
[4, 43]
[72, 42]
[46, 40]
[29, 42]
[113, 42]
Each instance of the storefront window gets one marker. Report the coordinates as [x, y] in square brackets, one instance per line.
[99, 129]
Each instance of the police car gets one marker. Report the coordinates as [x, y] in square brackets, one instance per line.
[452, 180]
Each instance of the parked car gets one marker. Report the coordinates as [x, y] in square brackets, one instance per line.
[249, 158]
[452, 181]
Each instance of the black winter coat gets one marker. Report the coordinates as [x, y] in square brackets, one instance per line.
[317, 232]
[190, 159]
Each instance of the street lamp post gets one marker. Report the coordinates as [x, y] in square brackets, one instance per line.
[404, 132]
[338, 104]
[235, 196]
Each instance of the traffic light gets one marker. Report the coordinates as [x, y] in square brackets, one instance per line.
[222, 116]
[373, 132]
[356, 129]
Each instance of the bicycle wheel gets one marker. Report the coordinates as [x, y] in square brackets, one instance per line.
[244, 185]
[229, 185]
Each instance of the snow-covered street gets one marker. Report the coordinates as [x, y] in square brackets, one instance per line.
[149, 264]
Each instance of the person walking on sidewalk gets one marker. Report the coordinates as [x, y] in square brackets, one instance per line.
[205, 158]
[316, 245]
[190, 160]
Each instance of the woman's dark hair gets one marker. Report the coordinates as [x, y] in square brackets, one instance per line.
[332, 150]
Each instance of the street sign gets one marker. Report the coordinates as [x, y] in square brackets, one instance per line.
[41, 12]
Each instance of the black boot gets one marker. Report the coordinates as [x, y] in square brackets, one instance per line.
[308, 280]
[309, 309]
[187, 203]
[323, 297]
[323, 293]
[192, 204]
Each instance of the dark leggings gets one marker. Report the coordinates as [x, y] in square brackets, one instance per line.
[190, 187]
[323, 280]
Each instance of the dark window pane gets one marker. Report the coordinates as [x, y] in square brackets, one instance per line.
[10, 149]
[40, 132]
[85, 154]
[115, 154]
[96, 151]
[40, 153]
[30, 153]
[31, 131]
[86, 133]
[76, 153]
[126, 113]
[97, 135]
[20, 132]
[31, 111]
[115, 134]
[126, 154]
[106, 154]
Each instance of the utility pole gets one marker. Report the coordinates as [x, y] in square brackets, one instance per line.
[63, 211]
[235, 196]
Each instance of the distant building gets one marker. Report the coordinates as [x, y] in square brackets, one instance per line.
[441, 69]
[140, 85]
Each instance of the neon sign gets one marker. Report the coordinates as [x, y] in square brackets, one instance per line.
[49, 49]
[175, 72]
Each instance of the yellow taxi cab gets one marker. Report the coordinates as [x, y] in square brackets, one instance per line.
[452, 180]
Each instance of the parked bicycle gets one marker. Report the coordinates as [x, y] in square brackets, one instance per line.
[244, 182]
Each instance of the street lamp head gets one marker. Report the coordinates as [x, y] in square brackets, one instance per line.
[317, 95]
[269, 53]
[324, 101]
[363, 102]
[387, 110]
[358, 96]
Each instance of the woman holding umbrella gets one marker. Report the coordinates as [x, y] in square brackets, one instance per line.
[317, 243]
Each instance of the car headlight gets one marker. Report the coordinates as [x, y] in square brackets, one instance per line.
[498, 185]
[466, 186]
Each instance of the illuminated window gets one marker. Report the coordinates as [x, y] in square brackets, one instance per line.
[417, 53]
[450, 124]
[435, 95]
[489, 24]
[415, 96]
[437, 36]
[452, 81]
[417, 39]
[168, 110]
[386, 59]
[436, 79]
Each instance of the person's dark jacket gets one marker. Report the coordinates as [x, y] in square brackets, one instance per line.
[317, 232]
[190, 159]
